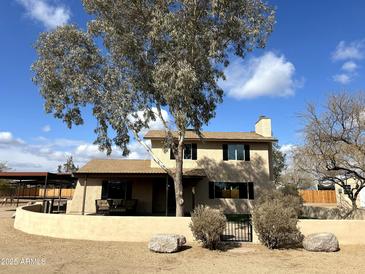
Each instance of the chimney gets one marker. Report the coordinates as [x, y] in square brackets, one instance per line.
[263, 126]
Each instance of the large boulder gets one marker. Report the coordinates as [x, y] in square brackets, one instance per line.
[166, 243]
[322, 242]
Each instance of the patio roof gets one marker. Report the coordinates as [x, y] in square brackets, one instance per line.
[35, 177]
[125, 166]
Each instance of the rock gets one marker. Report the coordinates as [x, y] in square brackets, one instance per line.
[324, 242]
[166, 243]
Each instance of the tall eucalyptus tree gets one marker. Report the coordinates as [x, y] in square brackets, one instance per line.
[143, 56]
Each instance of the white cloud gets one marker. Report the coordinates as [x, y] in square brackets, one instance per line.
[51, 16]
[6, 138]
[349, 66]
[268, 75]
[342, 78]
[349, 51]
[46, 128]
[46, 154]
[153, 125]
[287, 148]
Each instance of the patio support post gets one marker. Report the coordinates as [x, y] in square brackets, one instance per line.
[84, 196]
[59, 197]
[45, 186]
[18, 193]
[167, 195]
[23, 185]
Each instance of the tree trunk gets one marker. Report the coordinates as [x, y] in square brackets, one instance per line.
[354, 205]
[178, 180]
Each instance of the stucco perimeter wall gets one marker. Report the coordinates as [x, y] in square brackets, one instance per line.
[348, 232]
[140, 229]
[98, 228]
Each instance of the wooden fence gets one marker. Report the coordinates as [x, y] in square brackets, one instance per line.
[39, 192]
[318, 196]
[54, 192]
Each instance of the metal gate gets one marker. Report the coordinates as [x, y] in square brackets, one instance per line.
[238, 230]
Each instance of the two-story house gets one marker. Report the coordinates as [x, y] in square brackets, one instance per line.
[224, 170]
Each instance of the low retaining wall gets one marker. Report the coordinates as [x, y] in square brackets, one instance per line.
[348, 232]
[98, 228]
[140, 229]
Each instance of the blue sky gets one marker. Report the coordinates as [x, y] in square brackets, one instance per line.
[317, 47]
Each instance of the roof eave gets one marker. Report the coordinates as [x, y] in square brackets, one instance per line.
[268, 140]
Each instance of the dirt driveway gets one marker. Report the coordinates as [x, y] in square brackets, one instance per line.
[35, 254]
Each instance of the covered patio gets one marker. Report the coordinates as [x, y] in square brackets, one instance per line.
[130, 187]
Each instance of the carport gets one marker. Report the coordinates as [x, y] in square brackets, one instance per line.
[36, 185]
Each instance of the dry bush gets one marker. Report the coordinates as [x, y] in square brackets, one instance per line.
[207, 225]
[275, 218]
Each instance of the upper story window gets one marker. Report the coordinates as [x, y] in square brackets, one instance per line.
[190, 152]
[238, 152]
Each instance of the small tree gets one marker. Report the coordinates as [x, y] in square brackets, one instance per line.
[334, 143]
[278, 160]
[4, 184]
[207, 225]
[155, 55]
[275, 218]
[68, 166]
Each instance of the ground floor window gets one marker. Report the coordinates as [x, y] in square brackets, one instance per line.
[116, 189]
[242, 190]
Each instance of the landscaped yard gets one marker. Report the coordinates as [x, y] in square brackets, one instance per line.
[70, 256]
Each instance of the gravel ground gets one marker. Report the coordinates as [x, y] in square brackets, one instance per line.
[35, 254]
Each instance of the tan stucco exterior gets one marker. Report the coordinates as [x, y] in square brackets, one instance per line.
[141, 190]
[263, 126]
[210, 159]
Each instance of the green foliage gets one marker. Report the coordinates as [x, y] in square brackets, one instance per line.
[275, 218]
[207, 225]
[156, 54]
[278, 160]
[68, 167]
[4, 184]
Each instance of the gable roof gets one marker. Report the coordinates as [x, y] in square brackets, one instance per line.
[126, 166]
[214, 136]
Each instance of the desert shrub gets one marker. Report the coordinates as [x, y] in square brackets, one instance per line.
[291, 197]
[207, 225]
[275, 218]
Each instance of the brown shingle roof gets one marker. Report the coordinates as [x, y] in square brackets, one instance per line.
[124, 166]
[214, 136]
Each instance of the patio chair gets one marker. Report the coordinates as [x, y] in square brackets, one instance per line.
[102, 206]
[118, 207]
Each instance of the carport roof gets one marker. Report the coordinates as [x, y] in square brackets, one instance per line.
[39, 177]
